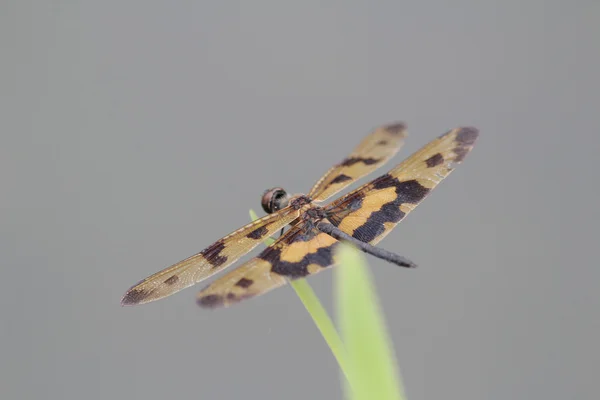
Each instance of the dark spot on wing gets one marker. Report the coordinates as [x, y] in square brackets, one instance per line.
[172, 280]
[406, 192]
[396, 128]
[340, 178]
[210, 301]
[322, 257]
[434, 160]
[244, 282]
[410, 191]
[382, 143]
[212, 254]
[373, 226]
[258, 233]
[230, 296]
[353, 160]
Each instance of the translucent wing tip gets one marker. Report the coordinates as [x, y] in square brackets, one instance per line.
[464, 139]
[467, 135]
[210, 301]
[133, 297]
[396, 128]
[138, 294]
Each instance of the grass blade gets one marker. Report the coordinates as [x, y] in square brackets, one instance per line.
[368, 348]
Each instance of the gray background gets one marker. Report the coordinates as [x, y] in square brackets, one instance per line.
[134, 134]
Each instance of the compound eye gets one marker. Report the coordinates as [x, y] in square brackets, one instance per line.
[274, 200]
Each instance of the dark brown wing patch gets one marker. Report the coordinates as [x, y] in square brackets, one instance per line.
[258, 233]
[374, 151]
[212, 253]
[172, 280]
[434, 160]
[370, 212]
[340, 178]
[244, 282]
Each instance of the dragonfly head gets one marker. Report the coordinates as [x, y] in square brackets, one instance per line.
[274, 200]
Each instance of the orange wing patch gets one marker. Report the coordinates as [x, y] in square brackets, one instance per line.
[302, 251]
[370, 212]
[211, 260]
[374, 151]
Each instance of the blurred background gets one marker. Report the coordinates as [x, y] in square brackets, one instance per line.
[134, 134]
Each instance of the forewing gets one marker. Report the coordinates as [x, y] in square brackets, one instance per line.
[209, 261]
[302, 251]
[370, 212]
[374, 151]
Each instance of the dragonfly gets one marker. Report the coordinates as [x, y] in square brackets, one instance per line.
[362, 217]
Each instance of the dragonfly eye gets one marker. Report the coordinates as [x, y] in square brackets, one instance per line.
[274, 200]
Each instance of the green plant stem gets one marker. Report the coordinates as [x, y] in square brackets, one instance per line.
[324, 324]
[320, 317]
